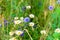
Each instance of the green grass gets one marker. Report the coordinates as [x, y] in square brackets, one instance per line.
[13, 8]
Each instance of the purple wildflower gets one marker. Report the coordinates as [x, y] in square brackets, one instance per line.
[27, 19]
[5, 22]
[22, 34]
[50, 7]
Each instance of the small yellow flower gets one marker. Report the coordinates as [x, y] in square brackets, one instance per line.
[31, 15]
[31, 24]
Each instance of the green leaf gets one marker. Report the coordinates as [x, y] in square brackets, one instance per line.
[53, 26]
[57, 10]
[13, 15]
[56, 35]
[49, 38]
[54, 15]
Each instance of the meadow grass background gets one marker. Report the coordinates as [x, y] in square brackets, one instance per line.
[45, 19]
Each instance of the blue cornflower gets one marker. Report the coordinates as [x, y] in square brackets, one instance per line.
[50, 7]
[27, 19]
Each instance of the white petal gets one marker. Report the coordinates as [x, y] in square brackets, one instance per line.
[28, 7]
[31, 15]
[31, 24]
[16, 18]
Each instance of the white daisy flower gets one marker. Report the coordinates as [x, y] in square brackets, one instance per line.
[31, 24]
[17, 32]
[21, 18]
[57, 30]
[17, 21]
[16, 18]
[28, 7]
[11, 33]
[43, 32]
[31, 15]
[13, 38]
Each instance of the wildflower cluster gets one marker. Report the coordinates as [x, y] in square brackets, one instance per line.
[21, 20]
[29, 19]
